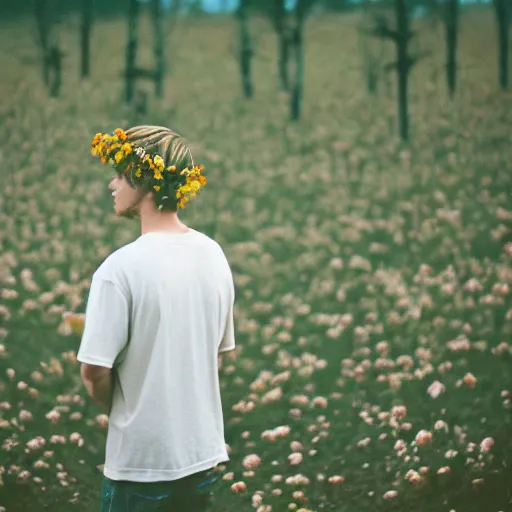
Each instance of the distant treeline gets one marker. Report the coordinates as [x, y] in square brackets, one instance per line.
[115, 8]
[19, 8]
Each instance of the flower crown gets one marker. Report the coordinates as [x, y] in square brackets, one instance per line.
[127, 157]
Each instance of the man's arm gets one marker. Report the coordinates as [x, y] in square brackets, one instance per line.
[227, 354]
[104, 338]
[98, 381]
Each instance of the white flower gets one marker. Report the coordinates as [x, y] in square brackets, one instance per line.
[436, 388]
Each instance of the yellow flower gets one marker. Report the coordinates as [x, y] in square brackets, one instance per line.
[185, 171]
[157, 175]
[159, 162]
[156, 187]
[186, 189]
[121, 134]
[127, 148]
[195, 185]
[172, 168]
[203, 180]
[119, 156]
[138, 172]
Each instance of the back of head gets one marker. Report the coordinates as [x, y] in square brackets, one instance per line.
[153, 159]
[170, 146]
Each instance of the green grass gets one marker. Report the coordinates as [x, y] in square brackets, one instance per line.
[287, 202]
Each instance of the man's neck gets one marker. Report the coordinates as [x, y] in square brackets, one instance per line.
[164, 222]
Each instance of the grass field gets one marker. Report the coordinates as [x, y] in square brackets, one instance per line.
[373, 278]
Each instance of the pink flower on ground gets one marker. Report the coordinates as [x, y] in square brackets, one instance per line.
[441, 425]
[24, 475]
[399, 411]
[295, 413]
[36, 443]
[413, 476]
[423, 437]
[273, 395]
[296, 446]
[400, 445]
[25, 415]
[251, 461]
[53, 416]
[486, 444]
[436, 388]
[239, 487]
[22, 385]
[469, 380]
[102, 420]
[319, 401]
[282, 430]
[269, 435]
[75, 437]
[295, 458]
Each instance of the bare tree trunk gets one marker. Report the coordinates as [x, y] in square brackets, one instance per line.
[87, 7]
[372, 76]
[503, 14]
[298, 85]
[283, 43]
[452, 29]
[402, 66]
[371, 67]
[302, 10]
[158, 21]
[43, 29]
[173, 17]
[284, 58]
[55, 64]
[370, 62]
[46, 20]
[131, 49]
[246, 51]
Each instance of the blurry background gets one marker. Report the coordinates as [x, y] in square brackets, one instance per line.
[358, 158]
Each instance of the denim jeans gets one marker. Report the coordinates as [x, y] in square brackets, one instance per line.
[189, 494]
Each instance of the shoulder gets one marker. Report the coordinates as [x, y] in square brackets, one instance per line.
[214, 247]
[206, 240]
[114, 266]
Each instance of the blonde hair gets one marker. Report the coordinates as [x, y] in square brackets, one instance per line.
[166, 143]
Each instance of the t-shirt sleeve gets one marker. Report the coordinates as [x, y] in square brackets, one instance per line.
[106, 324]
[228, 339]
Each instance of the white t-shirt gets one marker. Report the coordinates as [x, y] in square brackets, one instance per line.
[160, 310]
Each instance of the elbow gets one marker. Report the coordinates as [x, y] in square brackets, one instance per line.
[92, 372]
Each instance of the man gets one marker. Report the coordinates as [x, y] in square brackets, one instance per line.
[159, 313]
